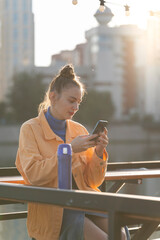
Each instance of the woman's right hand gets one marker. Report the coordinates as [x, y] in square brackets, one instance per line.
[83, 142]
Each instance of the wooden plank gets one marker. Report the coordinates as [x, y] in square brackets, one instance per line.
[12, 179]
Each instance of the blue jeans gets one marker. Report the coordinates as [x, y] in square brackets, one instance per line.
[126, 230]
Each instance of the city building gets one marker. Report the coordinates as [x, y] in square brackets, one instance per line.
[112, 52]
[122, 60]
[110, 61]
[152, 67]
[16, 40]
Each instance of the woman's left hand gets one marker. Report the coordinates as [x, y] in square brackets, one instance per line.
[102, 143]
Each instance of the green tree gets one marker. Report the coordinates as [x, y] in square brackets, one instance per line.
[95, 106]
[25, 95]
[2, 112]
[2, 109]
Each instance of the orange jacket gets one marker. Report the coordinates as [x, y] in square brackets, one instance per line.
[37, 163]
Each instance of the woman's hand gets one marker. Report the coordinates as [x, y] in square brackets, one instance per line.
[83, 142]
[102, 143]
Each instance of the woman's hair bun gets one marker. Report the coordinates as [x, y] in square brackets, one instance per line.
[67, 71]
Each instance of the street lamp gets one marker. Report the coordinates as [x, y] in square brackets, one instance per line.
[102, 6]
[74, 2]
[127, 13]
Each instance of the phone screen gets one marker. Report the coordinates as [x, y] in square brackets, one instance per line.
[99, 127]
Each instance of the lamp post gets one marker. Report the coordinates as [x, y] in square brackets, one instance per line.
[102, 6]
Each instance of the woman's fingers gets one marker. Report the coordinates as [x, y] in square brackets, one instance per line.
[103, 139]
[91, 137]
[83, 142]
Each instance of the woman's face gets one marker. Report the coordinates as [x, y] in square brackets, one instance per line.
[66, 104]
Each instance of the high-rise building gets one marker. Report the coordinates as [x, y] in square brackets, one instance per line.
[122, 60]
[152, 66]
[111, 60]
[112, 52]
[16, 40]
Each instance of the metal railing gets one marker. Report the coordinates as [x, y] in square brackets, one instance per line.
[12, 171]
[133, 165]
[123, 209]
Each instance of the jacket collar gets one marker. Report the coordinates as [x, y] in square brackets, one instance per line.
[70, 131]
[49, 134]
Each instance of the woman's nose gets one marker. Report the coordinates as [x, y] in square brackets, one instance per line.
[76, 106]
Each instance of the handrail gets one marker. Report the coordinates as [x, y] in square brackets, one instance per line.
[135, 164]
[122, 208]
[112, 166]
[13, 215]
[117, 218]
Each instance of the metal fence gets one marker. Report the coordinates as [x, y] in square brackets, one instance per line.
[122, 209]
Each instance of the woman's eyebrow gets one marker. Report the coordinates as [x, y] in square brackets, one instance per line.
[75, 98]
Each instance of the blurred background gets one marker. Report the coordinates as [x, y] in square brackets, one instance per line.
[116, 53]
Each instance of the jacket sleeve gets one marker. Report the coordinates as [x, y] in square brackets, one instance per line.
[33, 167]
[96, 167]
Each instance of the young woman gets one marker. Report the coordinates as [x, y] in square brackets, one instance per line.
[37, 162]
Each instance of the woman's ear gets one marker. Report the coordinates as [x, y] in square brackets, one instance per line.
[52, 97]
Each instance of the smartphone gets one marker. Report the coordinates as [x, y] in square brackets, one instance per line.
[99, 127]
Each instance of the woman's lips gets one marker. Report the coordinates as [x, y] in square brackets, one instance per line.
[71, 113]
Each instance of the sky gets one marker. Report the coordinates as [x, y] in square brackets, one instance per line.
[60, 25]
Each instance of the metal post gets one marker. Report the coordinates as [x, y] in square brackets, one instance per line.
[65, 166]
[114, 225]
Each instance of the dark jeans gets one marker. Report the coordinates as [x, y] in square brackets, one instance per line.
[126, 229]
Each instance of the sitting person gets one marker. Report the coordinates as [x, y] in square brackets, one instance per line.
[37, 162]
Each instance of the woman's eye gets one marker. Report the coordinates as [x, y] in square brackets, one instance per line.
[71, 101]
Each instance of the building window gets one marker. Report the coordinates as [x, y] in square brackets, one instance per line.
[15, 18]
[6, 4]
[15, 33]
[15, 62]
[15, 5]
[25, 19]
[25, 4]
[25, 45]
[15, 48]
[25, 33]
[103, 38]
[15, 54]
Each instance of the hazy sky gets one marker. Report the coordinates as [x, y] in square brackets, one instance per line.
[59, 25]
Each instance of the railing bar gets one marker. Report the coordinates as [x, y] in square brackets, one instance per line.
[12, 171]
[13, 215]
[5, 202]
[136, 164]
[103, 202]
[121, 207]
